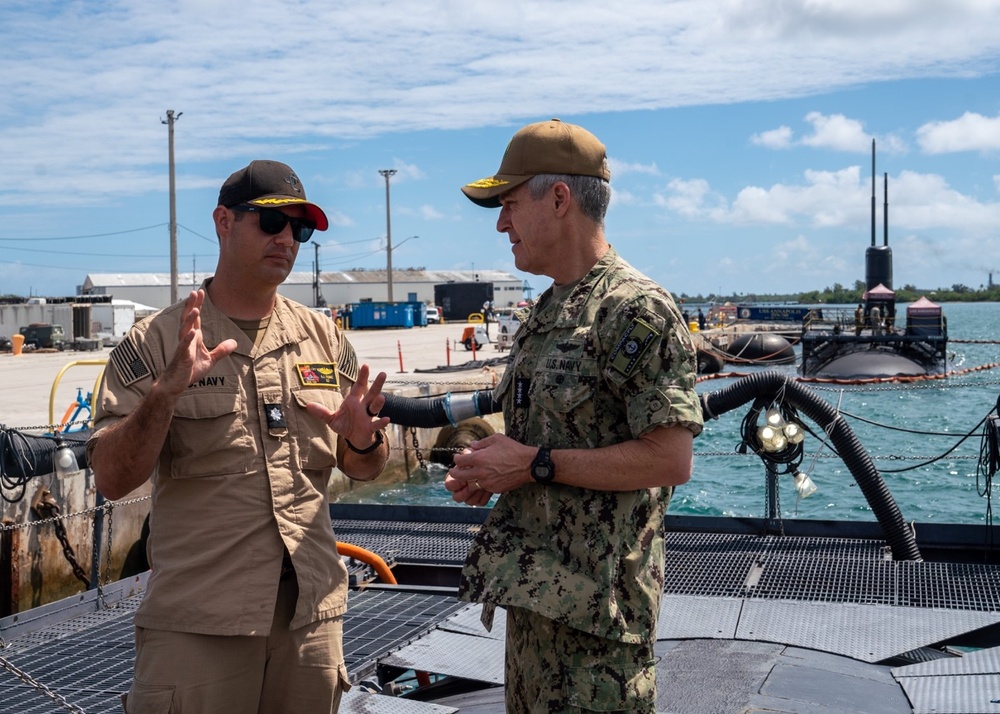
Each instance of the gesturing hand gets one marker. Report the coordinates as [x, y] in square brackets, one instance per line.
[192, 360]
[356, 418]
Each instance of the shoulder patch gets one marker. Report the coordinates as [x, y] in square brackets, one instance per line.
[318, 374]
[128, 362]
[631, 346]
[348, 360]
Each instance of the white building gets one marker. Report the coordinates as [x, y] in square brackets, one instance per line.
[335, 288]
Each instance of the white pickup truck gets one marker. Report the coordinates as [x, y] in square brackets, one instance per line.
[507, 324]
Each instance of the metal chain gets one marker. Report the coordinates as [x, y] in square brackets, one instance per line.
[477, 383]
[107, 574]
[874, 457]
[50, 428]
[32, 682]
[86, 512]
[416, 448]
[51, 509]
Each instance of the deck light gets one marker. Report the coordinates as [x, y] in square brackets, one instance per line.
[793, 432]
[804, 485]
[774, 418]
[64, 460]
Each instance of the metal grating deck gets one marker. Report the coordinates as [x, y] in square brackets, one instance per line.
[822, 570]
[88, 659]
[767, 567]
[439, 543]
[833, 595]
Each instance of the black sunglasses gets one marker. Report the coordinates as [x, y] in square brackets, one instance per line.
[273, 221]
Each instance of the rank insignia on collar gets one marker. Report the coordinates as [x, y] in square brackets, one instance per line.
[633, 344]
[318, 374]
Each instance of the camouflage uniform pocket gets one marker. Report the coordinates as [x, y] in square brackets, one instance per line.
[610, 687]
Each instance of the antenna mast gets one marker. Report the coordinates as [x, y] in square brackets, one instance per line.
[873, 193]
[885, 210]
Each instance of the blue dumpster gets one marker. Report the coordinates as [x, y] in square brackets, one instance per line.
[366, 315]
[419, 314]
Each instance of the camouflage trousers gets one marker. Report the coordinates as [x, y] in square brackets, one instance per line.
[551, 668]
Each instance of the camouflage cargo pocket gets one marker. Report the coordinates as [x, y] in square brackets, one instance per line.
[612, 688]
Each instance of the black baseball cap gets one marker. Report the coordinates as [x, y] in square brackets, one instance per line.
[269, 184]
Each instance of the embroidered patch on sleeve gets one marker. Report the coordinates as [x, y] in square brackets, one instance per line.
[633, 344]
[128, 362]
[318, 374]
[347, 360]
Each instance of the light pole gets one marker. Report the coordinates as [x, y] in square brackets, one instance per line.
[173, 204]
[387, 173]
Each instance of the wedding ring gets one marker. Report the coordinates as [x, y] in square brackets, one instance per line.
[368, 410]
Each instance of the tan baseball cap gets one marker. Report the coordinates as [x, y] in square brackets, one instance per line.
[548, 147]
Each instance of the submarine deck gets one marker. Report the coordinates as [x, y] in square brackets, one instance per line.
[817, 619]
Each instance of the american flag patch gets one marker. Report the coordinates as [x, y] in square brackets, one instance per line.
[128, 362]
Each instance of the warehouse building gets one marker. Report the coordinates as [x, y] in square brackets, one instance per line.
[334, 288]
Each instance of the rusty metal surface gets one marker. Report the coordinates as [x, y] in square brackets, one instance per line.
[36, 571]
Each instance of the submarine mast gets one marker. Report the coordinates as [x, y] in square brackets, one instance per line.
[878, 258]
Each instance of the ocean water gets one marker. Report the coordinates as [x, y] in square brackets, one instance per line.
[925, 439]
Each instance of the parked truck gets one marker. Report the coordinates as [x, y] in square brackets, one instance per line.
[40, 335]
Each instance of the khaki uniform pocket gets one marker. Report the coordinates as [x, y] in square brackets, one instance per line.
[317, 441]
[148, 699]
[208, 436]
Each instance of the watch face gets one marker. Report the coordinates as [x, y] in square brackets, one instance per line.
[542, 469]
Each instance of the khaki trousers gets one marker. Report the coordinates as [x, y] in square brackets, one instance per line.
[288, 671]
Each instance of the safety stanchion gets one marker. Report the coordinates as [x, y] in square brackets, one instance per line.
[447, 353]
[399, 348]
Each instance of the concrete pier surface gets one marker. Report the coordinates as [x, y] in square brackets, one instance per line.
[33, 398]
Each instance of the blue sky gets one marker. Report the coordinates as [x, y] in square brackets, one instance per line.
[739, 131]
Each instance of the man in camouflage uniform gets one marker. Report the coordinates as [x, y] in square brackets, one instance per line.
[600, 413]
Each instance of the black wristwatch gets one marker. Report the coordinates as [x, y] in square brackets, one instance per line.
[542, 468]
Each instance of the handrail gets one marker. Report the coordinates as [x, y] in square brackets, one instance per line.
[74, 363]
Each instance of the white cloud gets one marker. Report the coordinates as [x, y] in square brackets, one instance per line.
[835, 131]
[970, 132]
[780, 138]
[429, 213]
[832, 199]
[692, 198]
[366, 69]
[406, 172]
[622, 197]
[623, 168]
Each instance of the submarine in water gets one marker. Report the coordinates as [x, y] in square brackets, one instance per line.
[869, 342]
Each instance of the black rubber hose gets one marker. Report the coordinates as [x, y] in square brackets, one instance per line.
[772, 385]
[431, 412]
[25, 456]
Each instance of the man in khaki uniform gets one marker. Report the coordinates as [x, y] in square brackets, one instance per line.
[600, 412]
[238, 403]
